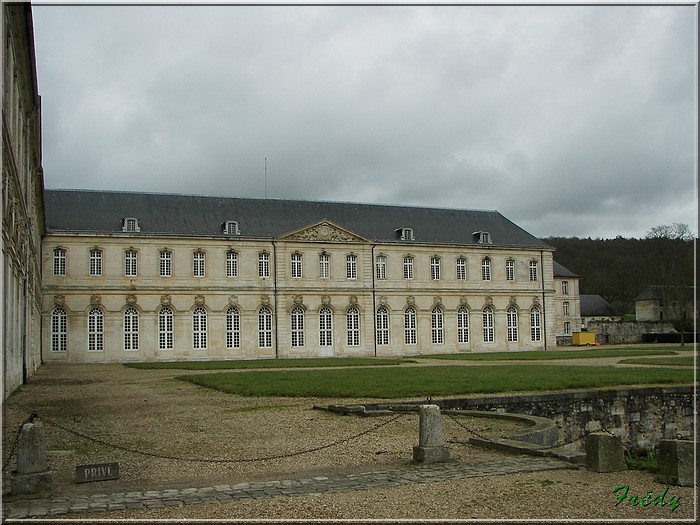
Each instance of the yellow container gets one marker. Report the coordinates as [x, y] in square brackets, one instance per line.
[583, 338]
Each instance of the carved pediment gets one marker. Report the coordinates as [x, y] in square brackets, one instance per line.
[323, 231]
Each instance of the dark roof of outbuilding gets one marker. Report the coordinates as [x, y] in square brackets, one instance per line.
[192, 215]
[595, 305]
[672, 292]
[560, 271]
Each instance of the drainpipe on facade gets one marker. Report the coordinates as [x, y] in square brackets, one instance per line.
[274, 308]
[374, 304]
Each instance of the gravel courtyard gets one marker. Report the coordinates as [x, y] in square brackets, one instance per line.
[151, 412]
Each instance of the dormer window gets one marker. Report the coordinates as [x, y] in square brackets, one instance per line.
[405, 234]
[231, 228]
[130, 224]
[482, 237]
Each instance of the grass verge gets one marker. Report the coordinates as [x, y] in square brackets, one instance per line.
[269, 363]
[541, 355]
[397, 382]
[680, 360]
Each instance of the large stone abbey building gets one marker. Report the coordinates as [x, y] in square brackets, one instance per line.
[136, 276]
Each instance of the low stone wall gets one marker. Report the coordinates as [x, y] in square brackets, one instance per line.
[640, 416]
[626, 332]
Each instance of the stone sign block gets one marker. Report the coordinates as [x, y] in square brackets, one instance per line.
[677, 462]
[99, 472]
[604, 453]
[431, 443]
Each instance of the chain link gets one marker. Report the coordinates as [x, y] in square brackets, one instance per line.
[221, 460]
[465, 427]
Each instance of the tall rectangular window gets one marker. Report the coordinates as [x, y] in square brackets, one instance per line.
[510, 270]
[265, 328]
[486, 269]
[95, 262]
[487, 320]
[565, 287]
[351, 266]
[166, 265]
[408, 267]
[131, 329]
[325, 327]
[199, 328]
[535, 328]
[461, 269]
[324, 266]
[59, 261]
[59, 330]
[435, 268]
[512, 318]
[381, 267]
[263, 264]
[382, 326]
[297, 332]
[565, 308]
[130, 263]
[95, 330]
[567, 328]
[296, 266]
[437, 326]
[463, 325]
[231, 264]
[533, 271]
[233, 328]
[198, 264]
[165, 329]
[353, 323]
[409, 326]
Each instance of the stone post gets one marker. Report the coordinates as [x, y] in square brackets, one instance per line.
[676, 462]
[431, 443]
[32, 474]
[604, 453]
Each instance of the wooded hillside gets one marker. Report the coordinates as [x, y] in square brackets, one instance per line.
[620, 269]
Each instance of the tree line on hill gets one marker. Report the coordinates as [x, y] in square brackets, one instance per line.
[620, 269]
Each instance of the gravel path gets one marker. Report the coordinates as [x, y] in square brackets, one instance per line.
[152, 411]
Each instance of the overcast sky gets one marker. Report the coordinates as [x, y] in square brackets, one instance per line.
[569, 120]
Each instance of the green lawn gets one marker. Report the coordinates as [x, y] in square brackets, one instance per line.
[680, 360]
[269, 363]
[402, 382]
[541, 355]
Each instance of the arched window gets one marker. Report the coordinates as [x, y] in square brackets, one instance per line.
[512, 316]
[96, 327]
[487, 320]
[535, 328]
[353, 322]
[325, 327]
[199, 328]
[233, 328]
[463, 325]
[409, 325]
[265, 327]
[297, 326]
[131, 329]
[59, 330]
[165, 329]
[382, 326]
[437, 324]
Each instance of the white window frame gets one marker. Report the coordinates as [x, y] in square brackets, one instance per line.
[510, 270]
[410, 326]
[380, 265]
[512, 324]
[297, 326]
[231, 228]
[199, 329]
[408, 267]
[324, 266]
[461, 269]
[463, 325]
[233, 328]
[485, 269]
[351, 266]
[59, 330]
[96, 262]
[382, 323]
[231, 263]
[437, 324]
[435, 268]
[567, 328]
[165, 263]
[535, 325]
[131, 225]
[488, 324]
[533, 271]
[199, 260]
[166, 334]
[96, 330]
[131, 258]
[565, 287]
[265, 327]
[264, 266]
[59, 261]
[325, 327]
[131, 329]
[565, 308]
[352, 317]
[296, 265]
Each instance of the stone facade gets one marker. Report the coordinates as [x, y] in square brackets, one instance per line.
[312, 313]
[626, 332]
[567, 305]
[22, 200]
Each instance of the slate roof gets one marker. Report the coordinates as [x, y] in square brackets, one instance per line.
[102, 212]
[560, 271]
[595, 305]
[656, 292]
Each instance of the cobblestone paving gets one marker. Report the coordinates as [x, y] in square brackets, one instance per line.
[414, 473]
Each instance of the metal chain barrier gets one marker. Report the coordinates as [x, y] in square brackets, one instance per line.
[220, 460]
[465, 427]
[13, 448]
